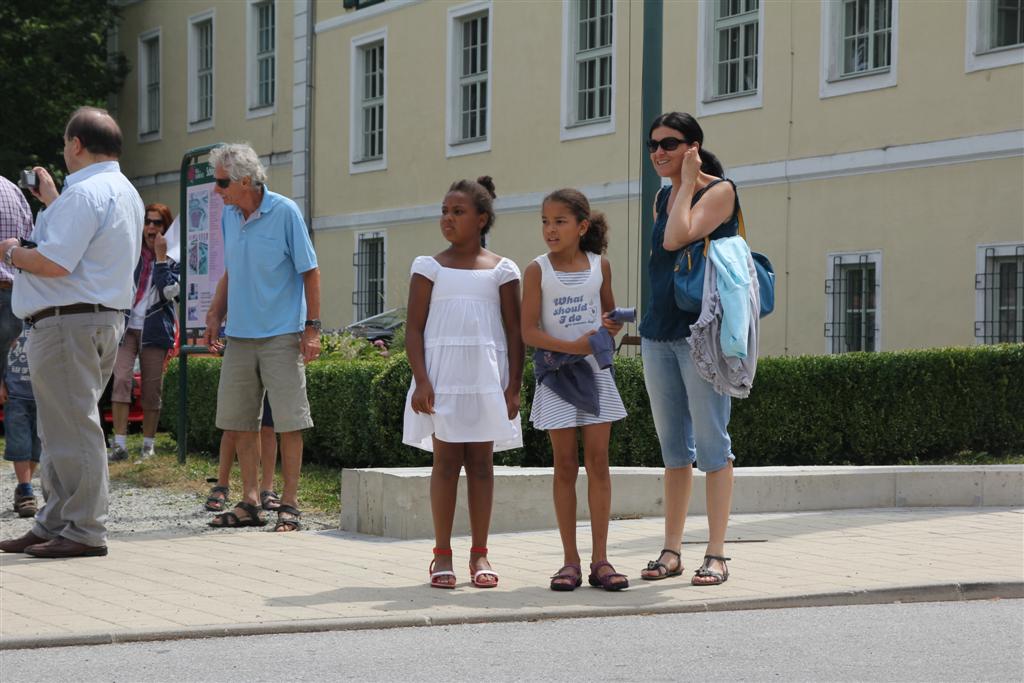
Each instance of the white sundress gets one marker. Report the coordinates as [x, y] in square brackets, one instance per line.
[571, 307]
[466, 357]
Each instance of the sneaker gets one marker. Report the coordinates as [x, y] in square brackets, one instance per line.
[117, 453]
[147, 452]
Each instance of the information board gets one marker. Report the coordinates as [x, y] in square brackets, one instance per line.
[203, 243]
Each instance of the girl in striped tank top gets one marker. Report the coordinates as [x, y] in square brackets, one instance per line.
[567, 296]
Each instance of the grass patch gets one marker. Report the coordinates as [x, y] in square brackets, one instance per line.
[319, 486]
[969, 458]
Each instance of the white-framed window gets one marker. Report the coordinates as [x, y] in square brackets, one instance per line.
[368, 121]
[730, 56]
[149, 85]
[200, 71]
[995, 34]
[853, 295]
[999, 293]
[859, 45]
[469, 79]
[368, 265]
[262, 57]
[588, 78]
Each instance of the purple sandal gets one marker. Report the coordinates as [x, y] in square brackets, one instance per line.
[568, 578]
[606, 581]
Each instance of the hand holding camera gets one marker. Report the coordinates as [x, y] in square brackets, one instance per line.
[38, 181]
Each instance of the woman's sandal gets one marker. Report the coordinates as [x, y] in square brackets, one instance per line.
[435, 577]
[217, 499]
[659, 565]
[231, 519]
[269, 500]
[606, 581]
[288, 519]
[482, 572]
[705, 572]
[568, 578]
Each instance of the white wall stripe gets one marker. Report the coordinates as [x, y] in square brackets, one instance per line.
[896, 158]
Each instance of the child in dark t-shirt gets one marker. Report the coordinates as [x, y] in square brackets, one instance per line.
[22, 446]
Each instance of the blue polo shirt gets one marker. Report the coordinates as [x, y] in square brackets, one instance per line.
[265, 258]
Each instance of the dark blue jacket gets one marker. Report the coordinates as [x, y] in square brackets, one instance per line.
[158, 330]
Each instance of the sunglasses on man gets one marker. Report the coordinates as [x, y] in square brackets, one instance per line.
[667, 144]
[223, 183]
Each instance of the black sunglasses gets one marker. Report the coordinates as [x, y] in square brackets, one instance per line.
[667, 144]
[223, 182]
[158, 221]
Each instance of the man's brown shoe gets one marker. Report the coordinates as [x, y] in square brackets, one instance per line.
[64, 547]
[18, 545]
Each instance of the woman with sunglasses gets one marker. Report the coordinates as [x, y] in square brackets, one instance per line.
[691, 419]
[148, 335]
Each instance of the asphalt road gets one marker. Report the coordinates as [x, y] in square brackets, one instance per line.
[964, 641]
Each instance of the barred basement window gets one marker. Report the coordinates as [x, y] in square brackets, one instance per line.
[853, 292]
[368, 261]
[1002, 288]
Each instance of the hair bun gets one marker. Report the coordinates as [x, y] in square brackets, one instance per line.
[488, 184]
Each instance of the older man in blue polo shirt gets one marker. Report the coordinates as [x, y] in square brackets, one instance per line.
[270, 293]
[73, 291]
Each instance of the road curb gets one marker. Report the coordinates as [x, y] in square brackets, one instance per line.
[942, 592]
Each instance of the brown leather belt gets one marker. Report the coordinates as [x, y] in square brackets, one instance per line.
[6, 284]
[70, 309]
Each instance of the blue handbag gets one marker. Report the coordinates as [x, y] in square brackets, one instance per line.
[689, 274]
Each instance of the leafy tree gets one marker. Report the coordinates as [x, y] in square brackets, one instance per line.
[54, 58]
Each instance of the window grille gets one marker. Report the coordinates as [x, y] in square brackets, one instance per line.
[866, 36]
[736, 31]
[853, 292]
[472, 73]
[372, 105]
[1002, 285]
[368, 261]
[265, 54]
[593, 60]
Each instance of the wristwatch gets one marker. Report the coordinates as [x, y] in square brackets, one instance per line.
[315, 324]
[9, 256]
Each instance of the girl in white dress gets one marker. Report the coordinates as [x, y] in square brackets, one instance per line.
[567, 298]
[466, 354]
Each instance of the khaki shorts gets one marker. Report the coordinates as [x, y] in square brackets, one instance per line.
[251, 366]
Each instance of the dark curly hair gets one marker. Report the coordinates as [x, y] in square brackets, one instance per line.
[481, 191]
[595, 239]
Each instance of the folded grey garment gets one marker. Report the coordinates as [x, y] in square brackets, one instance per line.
[623, 315]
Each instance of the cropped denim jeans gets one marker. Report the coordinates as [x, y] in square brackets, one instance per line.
[691, 418]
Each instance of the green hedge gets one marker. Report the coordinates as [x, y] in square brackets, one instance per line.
[858, 408]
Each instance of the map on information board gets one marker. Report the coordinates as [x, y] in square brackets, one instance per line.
[202, 243]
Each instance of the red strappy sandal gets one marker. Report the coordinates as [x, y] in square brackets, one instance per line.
[435, 577]
[482, 572]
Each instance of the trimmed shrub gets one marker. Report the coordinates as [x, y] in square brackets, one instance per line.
[858, 408]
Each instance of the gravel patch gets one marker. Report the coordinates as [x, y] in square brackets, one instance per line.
[137, 512]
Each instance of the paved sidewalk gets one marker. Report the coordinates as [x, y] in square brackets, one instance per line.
[238, 583]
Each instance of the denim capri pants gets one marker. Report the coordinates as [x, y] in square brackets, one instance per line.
[22, 439]
[691, 418]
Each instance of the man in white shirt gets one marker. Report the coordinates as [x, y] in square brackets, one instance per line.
[73, 290]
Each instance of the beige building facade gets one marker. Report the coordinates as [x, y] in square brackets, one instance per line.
[878, 144]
